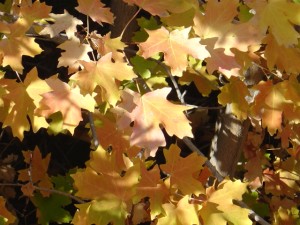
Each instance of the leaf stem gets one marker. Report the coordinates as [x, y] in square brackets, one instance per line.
[124, 29]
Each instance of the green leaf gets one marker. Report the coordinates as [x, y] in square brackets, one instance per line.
[251, 199]
[51, 209]
[149, 24]
[56, 124]
[101, 212]
[2, 220]
[244, 13]
[142, 66]
[184, 19]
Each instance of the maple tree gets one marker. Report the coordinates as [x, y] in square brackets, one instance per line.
[146, 109]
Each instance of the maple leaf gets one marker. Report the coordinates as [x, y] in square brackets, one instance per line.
[34, 11]
[279, 16]
[182, 213]
[63, 22]
[217, 23]
[38, 170]
[175, 45]
[149, 112]
[102, 169]
[103, 73]
[181, 171]
[163, 7]
[96, 10]
[269, 105]
[113, 198]
[285, 58]
[204, 82]
[234, 93]
[218, 60]
[25, 97]
[117, 139]
[55, 201]
[106, 44]
[277, 186]
[150, 185]
[6, 217]
[15, 45]
[284, 179]
[74, 51]
[221, 210]
[65, 100]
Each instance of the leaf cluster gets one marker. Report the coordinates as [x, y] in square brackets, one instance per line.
[248, 55]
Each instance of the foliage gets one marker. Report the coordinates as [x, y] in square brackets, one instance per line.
[139, 173]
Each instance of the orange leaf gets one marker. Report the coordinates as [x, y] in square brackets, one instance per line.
[38, 171]
[268, 105]
[175, 45]
[218, 60]
[152, 110]
[150, 185]
[95, 9]
[285, 58]
[110, 135]
[9, 218]
[65, 100]
[183, 172]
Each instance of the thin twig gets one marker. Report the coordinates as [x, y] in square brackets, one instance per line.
[194, 148]
[123, 31]
[166, 69]
[253, 215]
[187, 140]
[79, 200]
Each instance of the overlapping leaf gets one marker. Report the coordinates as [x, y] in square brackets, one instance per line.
[103, 73]
[175, 45]
[149, 112]
[182, 172]
[65, 100]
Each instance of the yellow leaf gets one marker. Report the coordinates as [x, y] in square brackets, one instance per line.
[183, 172]
[182, 214]
[284, 58]
[103, 73]
[24, 99]
[235, 93]
[204, 82]
[176, 47]
[163, 7]
[219, 208]
[96, 10]
[280, 16]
